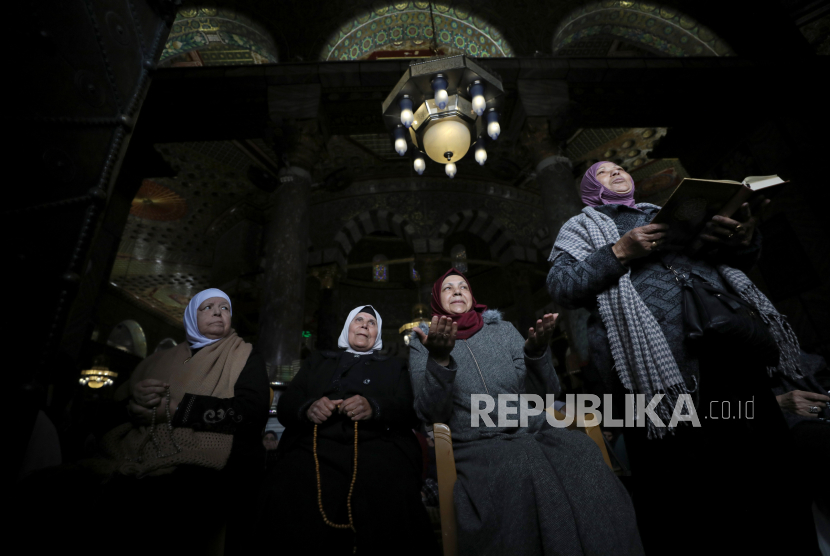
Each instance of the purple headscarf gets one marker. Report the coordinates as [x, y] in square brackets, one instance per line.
[594, 194]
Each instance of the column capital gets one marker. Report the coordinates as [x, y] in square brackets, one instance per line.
[554, 162]
[294, 173]
[303, 144]
[328, 275]
[536, 138]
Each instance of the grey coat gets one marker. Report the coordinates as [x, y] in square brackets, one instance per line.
[532, 490]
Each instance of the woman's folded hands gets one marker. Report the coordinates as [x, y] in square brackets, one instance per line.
[356, 408]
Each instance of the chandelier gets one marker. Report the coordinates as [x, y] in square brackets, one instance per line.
[442, 108]
[97, 377]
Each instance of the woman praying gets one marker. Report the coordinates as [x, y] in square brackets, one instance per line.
[532, 490]
[348, 468]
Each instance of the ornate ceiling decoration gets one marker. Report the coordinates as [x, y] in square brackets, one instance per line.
[627, 147]
[401, 28]
[167, 248]
[661, 30]
[156, 202]
[209, 36]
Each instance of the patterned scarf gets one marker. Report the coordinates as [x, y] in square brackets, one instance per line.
[213, 371]
[643, 359]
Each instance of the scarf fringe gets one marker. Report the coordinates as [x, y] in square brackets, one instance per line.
[778, 324]
[665, 410]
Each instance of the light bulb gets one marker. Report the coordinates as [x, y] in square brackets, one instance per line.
[479, 104]
[481, 156]
[400, 146]
[450, 169]
[407, 117]
[441, 98]
[420, 165]
[493, 130]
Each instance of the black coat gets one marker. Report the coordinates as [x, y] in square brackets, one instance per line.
[386, 502]
[383, 381]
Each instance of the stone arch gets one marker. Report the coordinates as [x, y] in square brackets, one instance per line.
[219, 37]
[129, 336]
[657, 29]
[503, 247]
[407, 26]
[371, 221]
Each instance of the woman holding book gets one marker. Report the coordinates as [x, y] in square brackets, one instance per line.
[609, 260]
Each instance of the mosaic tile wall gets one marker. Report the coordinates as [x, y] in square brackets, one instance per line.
[660, 29]
[222, 36]
[408, 25]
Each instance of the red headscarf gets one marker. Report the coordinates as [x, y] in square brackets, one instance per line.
[468, 323]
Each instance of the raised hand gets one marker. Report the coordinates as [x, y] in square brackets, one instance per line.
[639, 242]
[322, 409]
[538, 338]
[440, 340]
[357, 408]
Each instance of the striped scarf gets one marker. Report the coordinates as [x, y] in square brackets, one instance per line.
[642, 357]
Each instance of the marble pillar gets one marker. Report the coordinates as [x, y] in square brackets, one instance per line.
[522, 313]
[328, 314]
[431, 267]
[554, 176]
[286, 258]
[560, 196]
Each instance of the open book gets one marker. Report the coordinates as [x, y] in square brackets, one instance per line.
[694, 202]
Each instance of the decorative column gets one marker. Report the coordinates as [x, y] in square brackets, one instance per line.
[430, 267]
[560, 194]
[523, 313]
[328, 327]
[286, 256]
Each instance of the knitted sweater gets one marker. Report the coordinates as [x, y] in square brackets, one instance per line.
[574, 284]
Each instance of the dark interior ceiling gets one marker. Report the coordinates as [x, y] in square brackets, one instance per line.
[300, 29]
[202, 127]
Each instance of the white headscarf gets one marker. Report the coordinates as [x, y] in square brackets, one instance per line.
[191, 326]
[343, 340]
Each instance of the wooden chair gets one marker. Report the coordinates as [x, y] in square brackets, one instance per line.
[445, 462]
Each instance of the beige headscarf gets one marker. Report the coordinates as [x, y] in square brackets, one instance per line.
[213, 371]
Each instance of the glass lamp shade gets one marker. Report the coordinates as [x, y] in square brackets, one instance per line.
[441, 98]
[481, 155]
[420, 165]
[479, 104]
[447, 136]
[450, 169]
[493, 130]
[407, 117]
[400, 146]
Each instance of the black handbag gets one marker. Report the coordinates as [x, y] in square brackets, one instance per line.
[716, 319]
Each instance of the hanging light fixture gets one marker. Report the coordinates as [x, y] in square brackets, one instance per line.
[97, 377]
[457, 106]
[420, 316]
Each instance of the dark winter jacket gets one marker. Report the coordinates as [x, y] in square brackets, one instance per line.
[383, 381]
[576, 284]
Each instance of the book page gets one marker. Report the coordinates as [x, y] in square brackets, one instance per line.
[760, 182]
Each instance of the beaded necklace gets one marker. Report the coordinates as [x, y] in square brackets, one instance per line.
[350, 524]
[152, 433]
